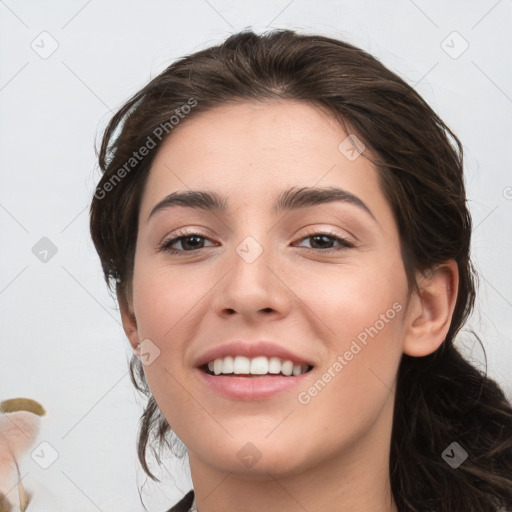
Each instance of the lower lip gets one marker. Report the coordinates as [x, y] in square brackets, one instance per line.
[252, 388]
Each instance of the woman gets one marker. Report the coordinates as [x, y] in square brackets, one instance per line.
[285, 221]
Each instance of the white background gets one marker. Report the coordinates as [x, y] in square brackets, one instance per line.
[61, 339]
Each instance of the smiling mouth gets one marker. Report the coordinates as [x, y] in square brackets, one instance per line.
[241, 366]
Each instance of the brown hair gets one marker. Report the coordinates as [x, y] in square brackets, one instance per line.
[440, 398]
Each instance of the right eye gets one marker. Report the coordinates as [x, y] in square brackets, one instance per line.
[189, 241]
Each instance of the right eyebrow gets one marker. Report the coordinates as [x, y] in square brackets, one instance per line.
[191, 199]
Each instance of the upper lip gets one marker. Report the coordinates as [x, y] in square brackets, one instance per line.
[249, 349]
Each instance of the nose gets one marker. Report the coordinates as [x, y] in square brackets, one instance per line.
[255, 285]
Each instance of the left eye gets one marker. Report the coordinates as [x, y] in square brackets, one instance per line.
[322, 238]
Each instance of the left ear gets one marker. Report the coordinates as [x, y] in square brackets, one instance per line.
[431, 309]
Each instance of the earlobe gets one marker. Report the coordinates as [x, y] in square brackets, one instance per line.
[431, 310]
[129, 322]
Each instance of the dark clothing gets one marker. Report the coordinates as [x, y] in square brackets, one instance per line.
[184, 504]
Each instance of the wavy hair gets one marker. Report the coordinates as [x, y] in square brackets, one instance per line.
[440, 398]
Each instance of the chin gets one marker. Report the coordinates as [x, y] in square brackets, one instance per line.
[256, 460]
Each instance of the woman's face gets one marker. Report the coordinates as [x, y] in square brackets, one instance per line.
[321, 280]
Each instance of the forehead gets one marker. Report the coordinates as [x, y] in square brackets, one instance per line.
[257, 131]
[252, 151]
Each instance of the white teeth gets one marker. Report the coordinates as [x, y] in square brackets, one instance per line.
[241, 364]
[260, 365]
[287, 368]
[217, 366]
[274, 365]
[228, 366]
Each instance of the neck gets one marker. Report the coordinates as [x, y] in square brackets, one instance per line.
[356, 478]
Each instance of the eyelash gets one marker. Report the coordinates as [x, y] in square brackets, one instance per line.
[165, 246]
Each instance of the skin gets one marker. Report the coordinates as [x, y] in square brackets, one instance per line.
[333, 452]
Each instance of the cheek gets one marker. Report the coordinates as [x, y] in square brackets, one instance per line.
[365, 313]
[162, 299]
[162, 305]
[169, 305]
[352, 299]
[358, 379]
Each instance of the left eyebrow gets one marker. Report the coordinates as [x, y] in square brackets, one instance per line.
[290, 199]
[295, 198]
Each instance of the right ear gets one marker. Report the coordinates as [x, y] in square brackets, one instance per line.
[129, 321]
